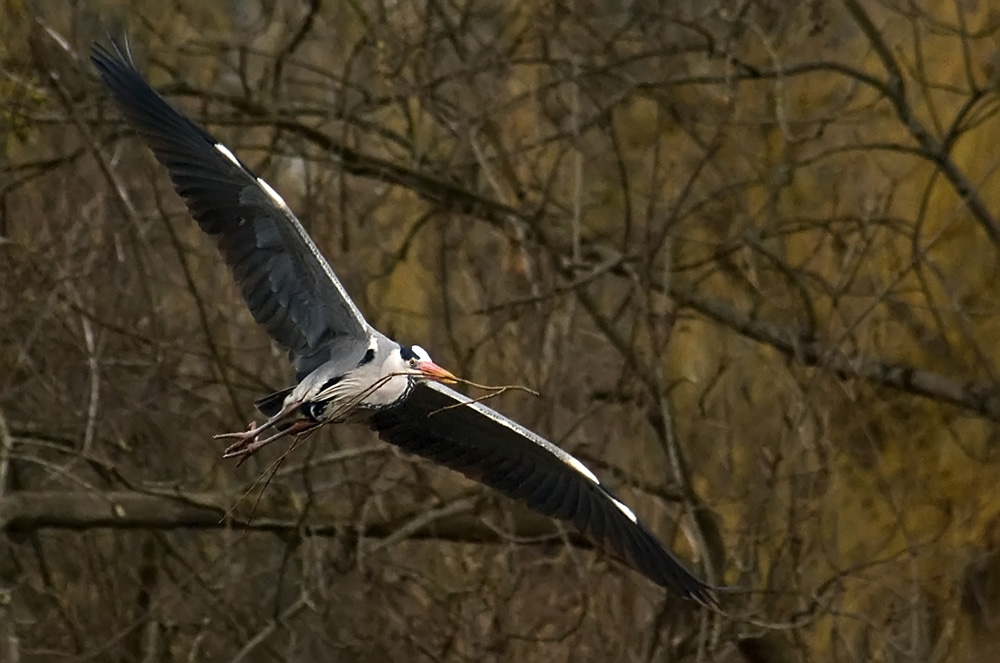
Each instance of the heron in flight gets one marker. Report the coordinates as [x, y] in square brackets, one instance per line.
[347, 370]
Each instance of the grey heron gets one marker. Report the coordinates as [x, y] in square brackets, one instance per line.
[349, 372]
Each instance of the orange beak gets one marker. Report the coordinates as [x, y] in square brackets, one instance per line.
[432, 371]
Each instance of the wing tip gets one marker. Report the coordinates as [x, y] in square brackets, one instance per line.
[703, 594]
[121, 77]
[111, 55]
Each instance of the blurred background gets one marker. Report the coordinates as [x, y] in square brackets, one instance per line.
[746, 252]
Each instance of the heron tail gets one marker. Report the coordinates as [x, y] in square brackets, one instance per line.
[271, 404]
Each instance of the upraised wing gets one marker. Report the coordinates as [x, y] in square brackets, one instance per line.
[446, 427]
[286, 283]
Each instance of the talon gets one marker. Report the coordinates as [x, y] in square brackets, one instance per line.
[241, 448]
[242, 435]
[245, 441]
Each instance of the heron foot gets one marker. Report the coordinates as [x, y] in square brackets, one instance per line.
[246, 443]
[249, 441]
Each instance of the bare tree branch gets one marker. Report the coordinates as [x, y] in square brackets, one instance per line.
[26, 511]
[980, 398]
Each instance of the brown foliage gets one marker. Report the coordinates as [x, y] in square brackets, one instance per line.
[747, 253]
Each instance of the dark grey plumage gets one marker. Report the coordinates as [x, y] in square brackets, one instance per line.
[347, 370]
[286, 283]
[490, 448]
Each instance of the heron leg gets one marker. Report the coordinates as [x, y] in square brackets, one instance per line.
[250, 435]
[249, 441]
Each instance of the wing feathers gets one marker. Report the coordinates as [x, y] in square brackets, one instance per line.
[287, 284]
[485, 446]
[568, 505]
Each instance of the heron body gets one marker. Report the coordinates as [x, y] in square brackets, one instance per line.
[348, 371]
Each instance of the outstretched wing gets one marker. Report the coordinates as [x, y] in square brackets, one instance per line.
[286, 283]
[446, 427]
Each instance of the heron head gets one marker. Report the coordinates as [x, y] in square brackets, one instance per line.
[418, 361]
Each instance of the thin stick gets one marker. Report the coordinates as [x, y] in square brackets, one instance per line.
[498, 389]
[272, 468]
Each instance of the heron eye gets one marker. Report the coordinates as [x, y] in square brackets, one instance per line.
[314, 410]
[413, 363]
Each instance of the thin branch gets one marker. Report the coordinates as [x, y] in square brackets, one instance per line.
[980, 398]
[6, 453]
[895, 91]
[280, 621]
